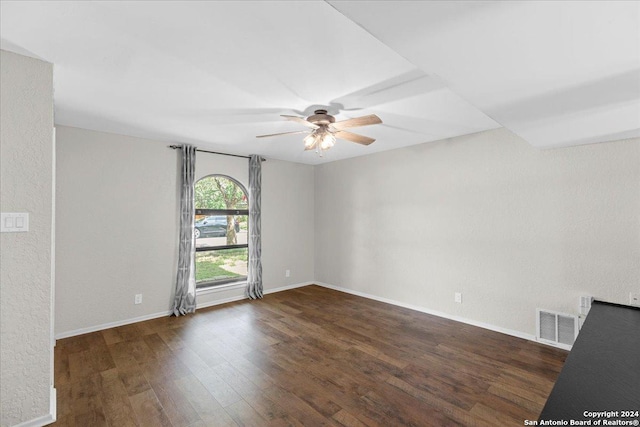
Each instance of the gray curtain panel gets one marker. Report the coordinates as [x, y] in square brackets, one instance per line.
[254, 275]
[185, 296]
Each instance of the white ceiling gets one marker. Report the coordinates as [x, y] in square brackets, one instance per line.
[216, 74]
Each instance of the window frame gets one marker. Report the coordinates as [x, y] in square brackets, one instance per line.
[212, 284]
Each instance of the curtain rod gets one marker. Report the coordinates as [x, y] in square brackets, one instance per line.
[217, 152]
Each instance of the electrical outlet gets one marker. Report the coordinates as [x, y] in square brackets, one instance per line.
[458, 297]
[634, 298]
[287, 273]
[585, 304]
[138, 299]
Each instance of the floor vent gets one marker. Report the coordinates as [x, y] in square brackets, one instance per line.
[555, 328]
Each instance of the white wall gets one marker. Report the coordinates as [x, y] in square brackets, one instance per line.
[117, 229]
[288, 219]
[511, 227]
[26, 150]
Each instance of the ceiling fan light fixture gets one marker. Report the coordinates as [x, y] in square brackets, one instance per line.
[310, 141]
[326, 130]
[328, 140]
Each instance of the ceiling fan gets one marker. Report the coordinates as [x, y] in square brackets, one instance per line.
[325, 130]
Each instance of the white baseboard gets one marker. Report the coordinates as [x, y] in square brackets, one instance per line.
[109, 325]
[286, 288]
[219, 301]
[53, 403]
[483, 325]
[243, 296]
[45, 419]
[38, 422]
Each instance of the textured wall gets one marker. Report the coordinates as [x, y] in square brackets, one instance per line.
[511, 227]
[117, 225]
[26, 151]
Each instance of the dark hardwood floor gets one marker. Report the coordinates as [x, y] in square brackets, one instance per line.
[305, 357]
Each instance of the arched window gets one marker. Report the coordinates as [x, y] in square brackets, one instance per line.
[221, 230]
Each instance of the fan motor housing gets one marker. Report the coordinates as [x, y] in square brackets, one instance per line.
[321, 118]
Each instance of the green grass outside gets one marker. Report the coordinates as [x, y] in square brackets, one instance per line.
[206, 270]
[210, 265]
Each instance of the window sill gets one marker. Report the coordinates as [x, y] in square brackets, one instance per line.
[220, 288]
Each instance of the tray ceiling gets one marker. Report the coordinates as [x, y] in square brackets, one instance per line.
[216, 74]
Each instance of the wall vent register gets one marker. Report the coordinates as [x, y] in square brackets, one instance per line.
[555, 328]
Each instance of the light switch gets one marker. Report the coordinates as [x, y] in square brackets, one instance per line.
[11, 222]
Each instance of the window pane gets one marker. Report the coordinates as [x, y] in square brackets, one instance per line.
[224, 222]
[219, 192]
[221, 265]
[221, 230]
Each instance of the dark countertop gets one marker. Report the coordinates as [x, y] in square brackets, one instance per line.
[602, 371]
